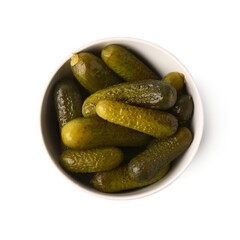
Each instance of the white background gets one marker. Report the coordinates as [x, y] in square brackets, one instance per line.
[37, 201]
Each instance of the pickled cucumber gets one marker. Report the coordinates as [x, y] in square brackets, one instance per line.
[91, 160]
[183, 109]
[158, 154]
[176, 79]
[92, 132]
[118, 179]
[153, 122]
[146, 93]
[68, 101]
[125, 64]
[92, 72]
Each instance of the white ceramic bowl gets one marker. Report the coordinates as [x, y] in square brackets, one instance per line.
[162, 62]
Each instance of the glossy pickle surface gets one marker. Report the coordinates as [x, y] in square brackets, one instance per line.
[183, 108]
[158, 154]
[68, 101]
[91, 72]
[118, 180]
[145, 93]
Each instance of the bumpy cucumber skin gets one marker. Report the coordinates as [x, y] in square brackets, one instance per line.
[118, 180]
[145, 93]
[92, 132]
[68, 101]
[156, 123]
[92, 73]
[158, 154]
[183, 109]
[125, 64]
[91, 160]
[176, 79]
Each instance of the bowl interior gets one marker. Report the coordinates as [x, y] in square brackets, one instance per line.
[162, 62]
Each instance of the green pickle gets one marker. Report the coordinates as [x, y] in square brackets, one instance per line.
[153, 122]
[92, 132]
[158, 154]
[118, 180]
[91, 72]
[125, 64]
[91, 160]
[145, 93]
[68, 102]
[176, 79]
[183, 109]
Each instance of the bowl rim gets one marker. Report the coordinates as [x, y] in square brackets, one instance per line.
[135, 195]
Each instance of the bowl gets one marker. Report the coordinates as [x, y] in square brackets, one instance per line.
[159, 60]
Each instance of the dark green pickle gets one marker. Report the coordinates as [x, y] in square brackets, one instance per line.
[125, 64]
[159, 154]
[91, 72]
[68, 102]
[118, 180]
[183, 108]
[145, 93]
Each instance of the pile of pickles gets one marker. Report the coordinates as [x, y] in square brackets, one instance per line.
[128, 106]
